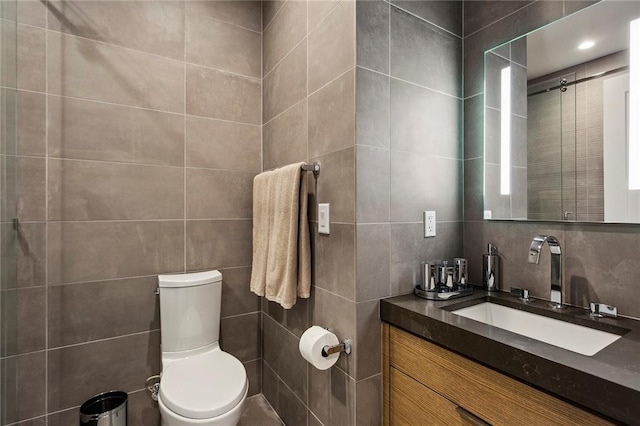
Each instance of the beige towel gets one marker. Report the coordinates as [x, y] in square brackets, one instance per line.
[281, 250]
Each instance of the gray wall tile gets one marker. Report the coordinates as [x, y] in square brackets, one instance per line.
[216, 94]
[373, 261]
[332, 116]
[230, 247]
[25, 378]
[245, 345]
[23, 194]
[31, 124]
[474, 127]
[445, 14]
[337, 185]
[223, 145]
[79, 313]
[286, 30]
[415, 186]
[372, 109]
[32, 12]
[208, 195]
[334, 260]
[22, 328]
[372, 35]
[75, 373]
[296, 319]
[254, 375]
[368, 350]
[318, 11]
[286, 84]
[236, 297]
[87, 190]
[424, 54]
[31, 58]
[86, 69]
[150, 27]
[479, 14]
[291, 410]
[247, 14]
[285, 137]
[282, 355]
[331, 46]
[269, 10]
[223, 46]
[86, 251]
[424, 121]
[23, 255]
[96, 131]
[373, 180]
[369, 401]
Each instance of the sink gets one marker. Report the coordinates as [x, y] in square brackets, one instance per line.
[566, 335]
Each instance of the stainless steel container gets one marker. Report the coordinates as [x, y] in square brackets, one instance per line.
[429, 277]
[460, 265]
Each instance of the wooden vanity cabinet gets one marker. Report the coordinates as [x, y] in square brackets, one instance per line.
[425, 384]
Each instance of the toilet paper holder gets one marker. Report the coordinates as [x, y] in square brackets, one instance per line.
[345, 347]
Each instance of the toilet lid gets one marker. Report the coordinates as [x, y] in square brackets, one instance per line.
[203, 386]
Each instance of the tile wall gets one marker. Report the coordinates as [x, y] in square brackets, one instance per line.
[600, 260]
[309, 115]
[138, 136]
[371, 90]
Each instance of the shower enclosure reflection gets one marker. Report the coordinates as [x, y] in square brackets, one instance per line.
[567, 124]
[9, 380]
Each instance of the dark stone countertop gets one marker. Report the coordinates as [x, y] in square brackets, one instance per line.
[607, 382]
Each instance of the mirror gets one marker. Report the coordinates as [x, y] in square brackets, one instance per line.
[562, 121]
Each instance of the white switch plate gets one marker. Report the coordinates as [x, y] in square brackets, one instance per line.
[323, 218]
[429, 223]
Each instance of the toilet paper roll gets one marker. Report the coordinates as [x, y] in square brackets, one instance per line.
[311, 344]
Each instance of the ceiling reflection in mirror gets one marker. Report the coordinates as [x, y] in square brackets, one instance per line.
[562, 120]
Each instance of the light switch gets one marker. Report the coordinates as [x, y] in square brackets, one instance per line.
[323, 218]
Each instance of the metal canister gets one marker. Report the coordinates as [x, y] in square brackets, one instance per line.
[460, 276]
[428, 272]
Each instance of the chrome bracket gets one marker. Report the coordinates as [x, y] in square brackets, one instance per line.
[345, 347]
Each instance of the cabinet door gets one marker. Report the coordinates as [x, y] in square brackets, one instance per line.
[415, 404]
[492, 396]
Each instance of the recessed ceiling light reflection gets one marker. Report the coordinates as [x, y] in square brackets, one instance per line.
[586, 45]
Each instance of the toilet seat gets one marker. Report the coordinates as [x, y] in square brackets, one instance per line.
[203, 386]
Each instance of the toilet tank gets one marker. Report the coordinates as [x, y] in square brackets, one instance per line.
[189, 310]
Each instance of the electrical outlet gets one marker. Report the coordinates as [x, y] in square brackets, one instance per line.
[429, 223]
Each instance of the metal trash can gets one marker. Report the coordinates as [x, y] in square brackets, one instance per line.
[105, 409]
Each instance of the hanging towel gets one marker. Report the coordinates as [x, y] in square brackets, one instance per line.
[281, 267]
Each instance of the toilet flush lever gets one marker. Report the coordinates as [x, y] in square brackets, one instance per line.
[345, 347]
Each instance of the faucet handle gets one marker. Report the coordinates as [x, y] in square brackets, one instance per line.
[599, 310]
[521, 293]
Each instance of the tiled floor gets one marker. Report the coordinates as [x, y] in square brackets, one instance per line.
[258, 412]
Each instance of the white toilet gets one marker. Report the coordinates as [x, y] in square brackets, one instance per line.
[200, 384]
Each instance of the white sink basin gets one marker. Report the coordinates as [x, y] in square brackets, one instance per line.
[573, 337]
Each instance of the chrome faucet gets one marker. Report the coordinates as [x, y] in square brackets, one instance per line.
[556, 265]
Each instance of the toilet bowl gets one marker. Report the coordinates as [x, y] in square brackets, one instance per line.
[200, 383]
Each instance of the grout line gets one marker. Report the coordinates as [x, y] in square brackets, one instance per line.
[424, 20]
[46, 212]
[498, 20]
[211, 18]
[369, 377]
[273, 18]
[240, 315]
[90, 342]
[286, 55]
[168, 58]
[287, 385]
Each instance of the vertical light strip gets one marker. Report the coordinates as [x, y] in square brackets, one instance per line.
[634, 105]
[505, 131]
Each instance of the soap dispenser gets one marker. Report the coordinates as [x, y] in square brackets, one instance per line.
[491, 269]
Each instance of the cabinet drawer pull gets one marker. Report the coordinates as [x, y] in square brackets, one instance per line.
[471, 417]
